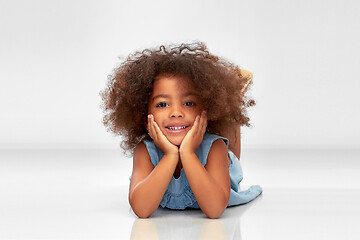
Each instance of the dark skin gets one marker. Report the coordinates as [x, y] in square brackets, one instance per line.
[210, 183]
[213, 192]
[221, 84]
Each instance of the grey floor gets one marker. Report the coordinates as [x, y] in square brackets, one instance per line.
[82, 194]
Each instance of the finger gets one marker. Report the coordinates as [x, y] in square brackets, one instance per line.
[203, 123]
[148, 123]
[152, 128]
[195, 128]
[159, 133]
[149, 126]
[157, 129]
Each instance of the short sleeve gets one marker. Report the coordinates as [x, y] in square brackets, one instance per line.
[154, 152]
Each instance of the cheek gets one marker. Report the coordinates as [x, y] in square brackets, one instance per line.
[158, 117]
[197, 112]
[194, 115]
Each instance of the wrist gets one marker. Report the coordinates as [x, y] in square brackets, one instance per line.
[172, 154]
[186, 154]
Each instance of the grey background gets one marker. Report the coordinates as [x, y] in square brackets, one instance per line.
[303, 149]
[55, 57]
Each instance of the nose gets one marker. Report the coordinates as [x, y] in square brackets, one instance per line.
[176, 113]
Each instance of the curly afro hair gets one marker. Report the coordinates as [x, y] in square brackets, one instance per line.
[221, 84]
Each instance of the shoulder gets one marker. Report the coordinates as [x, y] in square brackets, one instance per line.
[141, 165]
[141, 161]
[210, 139]
[218, 149]
[213, 144]
[218, 154]
[140, 148]
[141, 153]
[154, 153]
[149, 145]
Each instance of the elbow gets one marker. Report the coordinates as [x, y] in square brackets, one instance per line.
[139, 210]
[142, 212]
[214, 213]
[215, 209]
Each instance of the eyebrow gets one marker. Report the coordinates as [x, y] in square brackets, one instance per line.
[168, 96]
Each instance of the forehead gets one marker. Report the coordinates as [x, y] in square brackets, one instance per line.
[172, 84]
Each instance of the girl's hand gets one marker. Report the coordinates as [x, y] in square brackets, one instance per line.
[159, 138]
[194, 137]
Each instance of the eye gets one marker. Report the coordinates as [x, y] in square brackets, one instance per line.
[190, 104]
[162, 104]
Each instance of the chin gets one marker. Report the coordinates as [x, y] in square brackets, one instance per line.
[176, 141]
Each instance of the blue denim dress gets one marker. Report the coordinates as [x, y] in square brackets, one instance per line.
[179, 194]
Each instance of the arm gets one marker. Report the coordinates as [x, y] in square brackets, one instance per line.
[148, 184]
[210, 184]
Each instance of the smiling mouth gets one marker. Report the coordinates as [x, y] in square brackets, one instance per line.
[176, 128]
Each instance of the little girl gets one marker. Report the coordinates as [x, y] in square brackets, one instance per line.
[180, 110]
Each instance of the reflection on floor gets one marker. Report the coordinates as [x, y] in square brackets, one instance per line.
[189, 224]
[82, 194]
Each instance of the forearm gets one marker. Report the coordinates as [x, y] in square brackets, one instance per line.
[146, 195]
[211, 197]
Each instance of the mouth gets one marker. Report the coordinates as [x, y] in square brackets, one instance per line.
[177, 129]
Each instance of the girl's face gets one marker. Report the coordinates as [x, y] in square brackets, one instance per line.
[174, 103]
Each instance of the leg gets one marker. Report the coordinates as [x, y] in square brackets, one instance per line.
[234, 140]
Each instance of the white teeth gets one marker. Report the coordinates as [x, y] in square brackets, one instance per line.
[176, 128]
